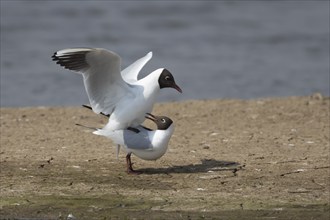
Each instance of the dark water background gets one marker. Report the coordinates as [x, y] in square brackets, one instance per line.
[215, 49]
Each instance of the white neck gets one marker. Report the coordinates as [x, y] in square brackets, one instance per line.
[162, 137]
[150, 83]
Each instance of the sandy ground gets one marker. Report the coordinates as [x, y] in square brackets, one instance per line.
[227, 159]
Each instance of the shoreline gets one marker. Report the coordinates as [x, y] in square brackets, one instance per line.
[313, 96]
[225, 154]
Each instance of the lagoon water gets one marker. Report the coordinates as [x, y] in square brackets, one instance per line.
[215, 49]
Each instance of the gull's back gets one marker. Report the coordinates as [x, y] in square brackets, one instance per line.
[128, 138]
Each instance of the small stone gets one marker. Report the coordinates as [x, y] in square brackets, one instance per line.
[70, 217]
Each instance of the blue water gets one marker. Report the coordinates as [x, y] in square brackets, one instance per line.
[215, 49]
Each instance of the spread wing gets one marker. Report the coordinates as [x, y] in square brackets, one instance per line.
[101, 72]
[130, 74]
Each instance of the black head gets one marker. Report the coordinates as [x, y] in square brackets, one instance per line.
[162, 122]
[166, 80]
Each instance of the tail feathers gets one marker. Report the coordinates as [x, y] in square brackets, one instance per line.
[84, 126]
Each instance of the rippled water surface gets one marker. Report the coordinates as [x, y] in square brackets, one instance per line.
[215, 49]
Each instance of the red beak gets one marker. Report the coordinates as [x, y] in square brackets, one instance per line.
[175, 86]
[150, 116]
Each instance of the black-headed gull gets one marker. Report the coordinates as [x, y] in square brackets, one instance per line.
[113, 92]
[147, 144]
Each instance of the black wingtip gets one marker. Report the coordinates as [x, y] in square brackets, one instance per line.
[54, 57]
[148, 129]
[75, 61]
[90, 108]
[87, 106]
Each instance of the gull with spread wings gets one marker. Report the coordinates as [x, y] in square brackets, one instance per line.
[118, 94]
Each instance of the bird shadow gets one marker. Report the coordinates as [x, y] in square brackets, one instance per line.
[206, 165]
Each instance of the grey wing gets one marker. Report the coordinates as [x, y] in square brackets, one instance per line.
[138, 141]
[130, 74]
[102, 77]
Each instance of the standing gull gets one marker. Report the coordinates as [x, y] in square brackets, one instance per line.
[113, 92]
[146, 144]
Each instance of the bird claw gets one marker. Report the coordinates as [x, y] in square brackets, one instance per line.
[134, 172]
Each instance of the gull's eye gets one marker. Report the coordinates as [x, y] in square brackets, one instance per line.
[167, 78]
[163, 120]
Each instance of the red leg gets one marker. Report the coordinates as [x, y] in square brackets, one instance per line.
[129, 164]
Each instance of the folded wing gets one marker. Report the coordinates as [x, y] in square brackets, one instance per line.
[101, 72]
[137, 141]
[130, 139]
